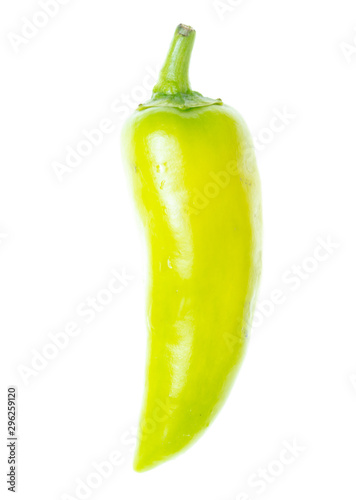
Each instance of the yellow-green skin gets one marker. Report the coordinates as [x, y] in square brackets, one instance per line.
[197, 189]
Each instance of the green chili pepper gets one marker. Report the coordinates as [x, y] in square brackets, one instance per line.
[192, 166]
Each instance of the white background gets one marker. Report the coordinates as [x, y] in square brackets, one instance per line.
[61, 236]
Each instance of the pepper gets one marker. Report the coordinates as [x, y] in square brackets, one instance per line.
[192, 167]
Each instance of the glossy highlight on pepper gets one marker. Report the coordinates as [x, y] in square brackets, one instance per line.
[192, 168]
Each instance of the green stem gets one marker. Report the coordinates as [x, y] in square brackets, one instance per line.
[173, 78]
[173, 88]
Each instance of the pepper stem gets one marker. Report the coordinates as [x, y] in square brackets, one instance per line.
[173, 78]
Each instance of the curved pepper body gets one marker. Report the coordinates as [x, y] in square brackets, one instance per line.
[197, 189]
